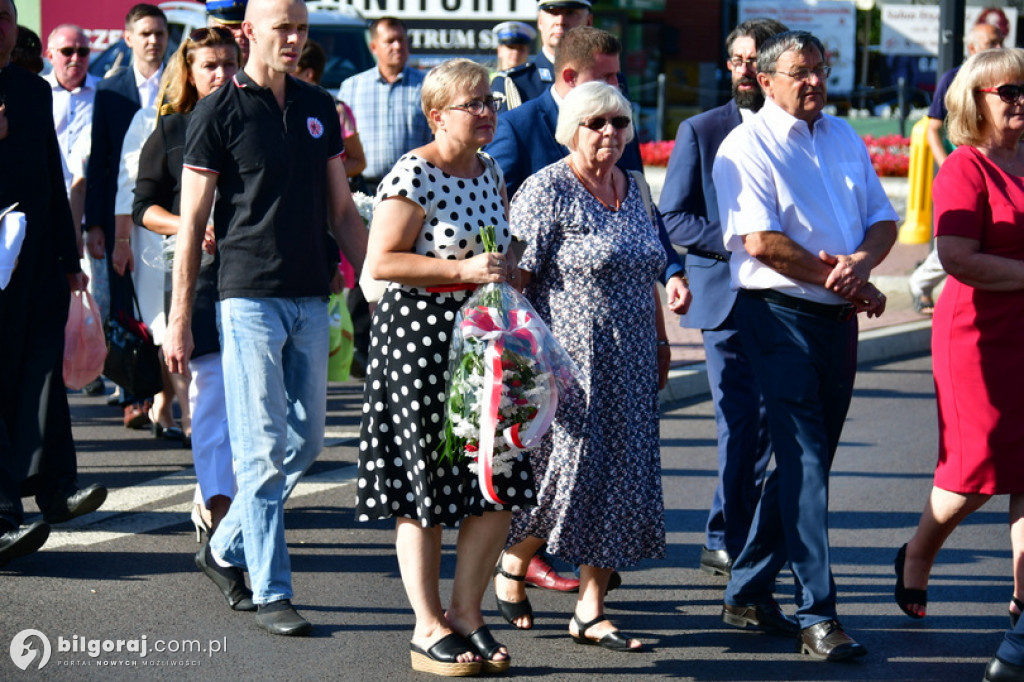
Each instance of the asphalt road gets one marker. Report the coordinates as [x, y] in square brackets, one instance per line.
[127, 573]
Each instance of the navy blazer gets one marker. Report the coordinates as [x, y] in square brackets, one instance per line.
[689, 205]
[117, 100]
[525, 142]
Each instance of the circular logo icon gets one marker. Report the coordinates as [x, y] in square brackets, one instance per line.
[23, 652]
[315, 127]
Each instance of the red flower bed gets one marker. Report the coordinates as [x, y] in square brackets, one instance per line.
[656, 153]
[890, 154]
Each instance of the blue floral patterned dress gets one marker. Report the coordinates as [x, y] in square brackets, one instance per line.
[598, 471]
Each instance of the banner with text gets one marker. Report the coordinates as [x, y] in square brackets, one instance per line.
[833, 22]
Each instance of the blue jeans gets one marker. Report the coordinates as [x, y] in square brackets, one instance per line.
[275, 384]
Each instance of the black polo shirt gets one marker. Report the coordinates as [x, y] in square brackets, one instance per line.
[272, 206]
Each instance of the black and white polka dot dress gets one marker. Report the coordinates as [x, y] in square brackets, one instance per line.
[400, 473]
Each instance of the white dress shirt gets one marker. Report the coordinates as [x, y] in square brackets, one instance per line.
[817, 187]
[72, 110]
[148, 87]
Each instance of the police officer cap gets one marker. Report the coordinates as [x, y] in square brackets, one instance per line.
[514, 33]
[226, 11]
[563, 4]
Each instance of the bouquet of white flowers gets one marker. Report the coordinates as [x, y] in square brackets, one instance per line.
[506, 370]
[372, 288]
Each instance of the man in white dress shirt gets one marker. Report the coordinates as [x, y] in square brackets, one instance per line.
[74, 90]
[805, 220]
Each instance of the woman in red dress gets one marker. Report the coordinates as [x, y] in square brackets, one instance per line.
[979, 319]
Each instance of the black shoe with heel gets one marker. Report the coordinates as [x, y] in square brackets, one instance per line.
[511, 610]
[903, 595]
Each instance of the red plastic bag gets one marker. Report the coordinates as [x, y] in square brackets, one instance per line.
[85, 346]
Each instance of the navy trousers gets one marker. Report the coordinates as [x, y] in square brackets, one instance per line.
[805, 366]
[744, 447]
[1012, 649]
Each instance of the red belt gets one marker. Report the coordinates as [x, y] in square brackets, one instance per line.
[449, 288]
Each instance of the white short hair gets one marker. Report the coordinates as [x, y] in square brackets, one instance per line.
[595, 98]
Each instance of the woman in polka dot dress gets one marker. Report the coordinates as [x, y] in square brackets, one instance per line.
[425, 239]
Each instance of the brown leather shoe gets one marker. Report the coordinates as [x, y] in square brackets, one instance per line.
[136, 416]
[827, 641]
[767, 617]
[540, 574]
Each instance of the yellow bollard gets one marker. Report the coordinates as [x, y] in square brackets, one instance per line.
[917, 228]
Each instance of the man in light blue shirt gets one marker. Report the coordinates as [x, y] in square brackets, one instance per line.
[386, 101]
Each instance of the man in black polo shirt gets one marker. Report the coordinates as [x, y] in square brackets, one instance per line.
[270, 146]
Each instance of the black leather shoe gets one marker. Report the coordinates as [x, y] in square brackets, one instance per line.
[281, 618]
[999, 670]
[83, 501]
[827, 641]
[715, 561]
[767, 617]
[230, 581]
[23, 541]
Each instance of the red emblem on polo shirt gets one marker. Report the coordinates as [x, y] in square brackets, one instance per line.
[315, 127]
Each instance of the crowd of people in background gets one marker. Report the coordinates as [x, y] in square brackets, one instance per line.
[775, 203]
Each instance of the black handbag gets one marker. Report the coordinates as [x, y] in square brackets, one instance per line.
[133, 361]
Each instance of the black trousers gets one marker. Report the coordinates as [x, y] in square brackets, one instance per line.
[37, 452]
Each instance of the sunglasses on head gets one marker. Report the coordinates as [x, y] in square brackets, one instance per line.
[205, 32]
[1009, 93]
[82, 52]
[598, 124]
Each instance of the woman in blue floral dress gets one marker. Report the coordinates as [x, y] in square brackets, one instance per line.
[592, 261]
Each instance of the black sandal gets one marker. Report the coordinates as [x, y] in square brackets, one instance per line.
[483, 641]
[614, 641]
[511, 610]
[442, 658]
[1014, 617]
[906, 596]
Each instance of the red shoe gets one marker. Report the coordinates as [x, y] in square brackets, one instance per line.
[540, 574]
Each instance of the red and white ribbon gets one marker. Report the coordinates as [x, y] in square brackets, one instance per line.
[486, 324]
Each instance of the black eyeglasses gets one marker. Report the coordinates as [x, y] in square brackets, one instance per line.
[740, 62]
[598, 124]
[205, 32]
[477, 107]
[822, 72]
[1009, 93]
[82, 52]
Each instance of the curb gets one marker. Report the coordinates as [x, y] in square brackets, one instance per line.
[874, 345]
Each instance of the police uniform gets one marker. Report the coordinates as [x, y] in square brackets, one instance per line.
[226, 11]
[524, 82]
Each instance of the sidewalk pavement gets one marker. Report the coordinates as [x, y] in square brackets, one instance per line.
[898, 332]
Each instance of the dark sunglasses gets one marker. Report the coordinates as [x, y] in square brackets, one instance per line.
[204, 33]
[1009, 93]
[82, 52]
[598, 124]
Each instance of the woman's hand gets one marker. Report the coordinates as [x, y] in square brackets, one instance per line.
[485, 268]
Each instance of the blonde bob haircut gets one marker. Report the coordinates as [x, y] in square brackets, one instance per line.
[986, 69]
[448, 80]
[586, 101]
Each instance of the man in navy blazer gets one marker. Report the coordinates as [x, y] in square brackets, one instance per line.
[690, 209]
[524, 141]
[117, 100]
